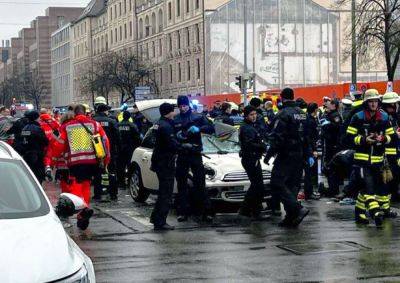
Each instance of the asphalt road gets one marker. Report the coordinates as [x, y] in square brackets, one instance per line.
[327, 247]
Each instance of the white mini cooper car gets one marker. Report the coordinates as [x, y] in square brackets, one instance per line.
[226, 179]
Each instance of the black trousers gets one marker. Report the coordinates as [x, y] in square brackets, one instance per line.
[34, 159]
[100, 179]
[285, 178]
[252, 203]
[166, 176]
[124, 159]
[310, 178]
[196, 201]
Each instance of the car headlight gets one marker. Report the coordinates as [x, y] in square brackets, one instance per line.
[211, 173]
[81, 276]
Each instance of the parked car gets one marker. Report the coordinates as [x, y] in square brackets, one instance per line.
[226, 179]
[34, 246]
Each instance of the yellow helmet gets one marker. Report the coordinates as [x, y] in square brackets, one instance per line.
[87, 108]
[371, 94]
[390, 97]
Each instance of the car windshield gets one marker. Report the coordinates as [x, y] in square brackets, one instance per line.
[221, 145]
[20, 196]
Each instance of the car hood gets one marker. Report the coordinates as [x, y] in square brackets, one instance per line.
[228, 163]
[36, 250]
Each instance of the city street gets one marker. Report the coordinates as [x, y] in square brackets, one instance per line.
[328, 246]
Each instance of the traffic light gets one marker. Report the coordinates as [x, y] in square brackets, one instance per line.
[250, 81]
[238, 81]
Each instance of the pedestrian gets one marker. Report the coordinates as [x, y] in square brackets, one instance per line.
[76, 142]
[311, 173]
[107, 176]
[253, 146]
[369, 133]
[163, 162]
[269, 112]
[330, 134]
[6, 124]
[289, 144]
[34, 144]
[261, 120]
[189, 127]
[226, 110]
[216, 111]
[129, 140]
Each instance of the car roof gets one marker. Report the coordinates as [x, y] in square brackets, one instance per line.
[146, 104]
[7, 152]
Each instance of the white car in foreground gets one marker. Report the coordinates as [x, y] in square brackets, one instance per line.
[33, 244]
[226, 179]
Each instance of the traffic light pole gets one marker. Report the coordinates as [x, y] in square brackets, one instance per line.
[244, 88]
[353, 43]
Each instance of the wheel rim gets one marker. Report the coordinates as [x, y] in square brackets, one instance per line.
[134, 184]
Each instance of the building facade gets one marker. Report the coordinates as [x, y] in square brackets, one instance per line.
[61, 67]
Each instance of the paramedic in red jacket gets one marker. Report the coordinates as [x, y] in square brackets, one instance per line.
[76, 143]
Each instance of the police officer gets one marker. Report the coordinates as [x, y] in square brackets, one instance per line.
[289, 143]
[189, 127]
[370, 133]
[252, 148]
[311, 173]
[34, 143]
[129, 141]
[330, 133]
[163, 163]
[261, 120]
[110, 127]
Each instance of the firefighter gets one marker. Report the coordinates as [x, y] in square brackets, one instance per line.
[34, 144]
[189, 127]
[76, 143]
[107, 176]
[288, 142]
[251, 138]
[390, 106]
[330, 133]
[370, 133]
[129, 141]
[163, 162]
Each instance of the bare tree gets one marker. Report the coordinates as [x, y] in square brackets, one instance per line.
[9, 89]
[127, 73]
[377, 28]
[33, 87]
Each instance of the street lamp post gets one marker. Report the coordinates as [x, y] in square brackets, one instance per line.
[353, 43]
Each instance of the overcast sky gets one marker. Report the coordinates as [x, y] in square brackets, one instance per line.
[17, 14]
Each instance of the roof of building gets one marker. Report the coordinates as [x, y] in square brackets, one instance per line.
[94, 8]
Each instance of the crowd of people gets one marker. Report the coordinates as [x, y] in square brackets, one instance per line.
[358, 138]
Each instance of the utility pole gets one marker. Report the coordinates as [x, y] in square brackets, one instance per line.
[244, 88]
[353, 43]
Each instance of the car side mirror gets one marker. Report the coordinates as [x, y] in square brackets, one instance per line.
[69, 204]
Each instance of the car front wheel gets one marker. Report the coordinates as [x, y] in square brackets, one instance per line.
[135, 184]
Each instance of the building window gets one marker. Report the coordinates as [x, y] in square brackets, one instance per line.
[140, 28]
[147, 26]
[130, 5]
[187, 6]
[187, 37]
[153, 47]
[125, 31]
[120, 33]
[153, 23]
[124, 6]
[178, 39]
[160, 21]
[179, 72]
[169, 11]
[115, 11]
[120, 9]
[170, 42]
[130, 29]
[170, 74]
[111, 13]
[106, 43]
[116, 35]
[198, 69]
[197, 4]
[178, 8]
[197, 33]
[188, 70]
[161, 78]
[112, 38]
[160, 47]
